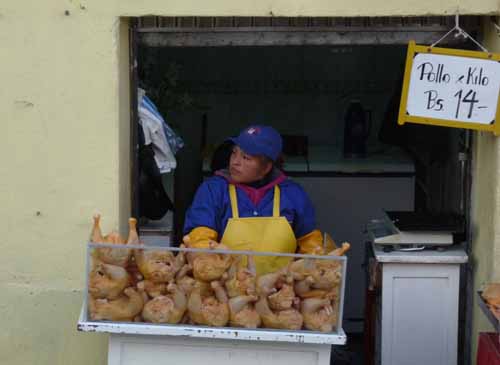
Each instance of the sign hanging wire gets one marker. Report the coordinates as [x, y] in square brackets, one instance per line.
[497, 27]
[460, 32]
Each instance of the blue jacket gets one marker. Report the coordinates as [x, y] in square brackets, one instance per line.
[211, 206]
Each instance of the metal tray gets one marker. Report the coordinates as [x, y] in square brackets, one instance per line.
[227, 333]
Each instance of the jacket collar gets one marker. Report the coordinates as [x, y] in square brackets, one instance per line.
[256, 194]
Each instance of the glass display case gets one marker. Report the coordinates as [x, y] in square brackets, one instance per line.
[213, 292]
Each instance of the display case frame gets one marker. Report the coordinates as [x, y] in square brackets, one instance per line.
[337, 337]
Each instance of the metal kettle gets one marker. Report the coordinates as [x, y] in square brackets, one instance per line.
[357, 125]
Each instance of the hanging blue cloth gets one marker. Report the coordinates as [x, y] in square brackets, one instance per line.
[175, 142]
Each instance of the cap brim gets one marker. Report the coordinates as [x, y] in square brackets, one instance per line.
[249, 148]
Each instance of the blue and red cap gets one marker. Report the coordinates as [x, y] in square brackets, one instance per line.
[260, 140]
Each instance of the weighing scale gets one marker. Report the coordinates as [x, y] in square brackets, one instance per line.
[411, 231]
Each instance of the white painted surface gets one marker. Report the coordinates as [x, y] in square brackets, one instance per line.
[226, 333]
[167, 350]
[451, 255]
[437, 81]
[419, 314]
[329, 158]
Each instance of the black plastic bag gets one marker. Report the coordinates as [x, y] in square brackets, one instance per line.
[154, 202]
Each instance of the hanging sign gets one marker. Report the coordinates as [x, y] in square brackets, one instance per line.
[451, 88]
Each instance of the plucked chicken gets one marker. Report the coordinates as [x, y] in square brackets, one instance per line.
[288, 319]
[242, 312]
[318, 314]
[210, 266]
[317, 278]
[303, 288]
[133, 270]
[283, 298]
[240, 280]
[107, 281]
[340, 251]
[166, 308]
[124, 308]
[302, 268]
[114, 256]
[328, 273]
[267, 283]
[158, 266]
[209, 310]
[152, 289]
[187, 284]
[491, 294]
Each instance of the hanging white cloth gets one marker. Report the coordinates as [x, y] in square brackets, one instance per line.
[154, 134]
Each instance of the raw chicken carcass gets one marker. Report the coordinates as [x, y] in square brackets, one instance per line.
[340, 251]
[96, 234]
[328, 273]
[183, 280]
[211, 266]
[319, 314]
[210, 310]
[491, 294]
[152, 289]
[318, 277]
[159, 266]
[187, 283]
[124, 308]
[114, 256]
[267, 283]
[240, 280]
[302, 268]
[303, 288]
[107, 281]
[242, 312]
[134, 272]
[166, 308]
[288, 319]
[283, 298]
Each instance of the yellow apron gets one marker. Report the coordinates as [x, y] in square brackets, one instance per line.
[263, 234]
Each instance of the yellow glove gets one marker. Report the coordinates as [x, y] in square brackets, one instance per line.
[200, 237]
[312, 243]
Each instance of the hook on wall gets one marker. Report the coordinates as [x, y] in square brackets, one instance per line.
[460, 32]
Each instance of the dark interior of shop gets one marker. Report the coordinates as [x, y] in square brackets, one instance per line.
[336, 107]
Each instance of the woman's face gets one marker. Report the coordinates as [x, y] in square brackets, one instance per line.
[245, 168]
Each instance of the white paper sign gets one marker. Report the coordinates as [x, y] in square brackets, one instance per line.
[453, 88]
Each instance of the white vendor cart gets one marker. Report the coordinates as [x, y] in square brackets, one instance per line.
[134, 343]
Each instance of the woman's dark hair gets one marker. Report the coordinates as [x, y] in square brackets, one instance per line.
[278, 163]
[222, 154]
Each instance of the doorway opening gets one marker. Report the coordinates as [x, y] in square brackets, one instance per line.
[210, 77]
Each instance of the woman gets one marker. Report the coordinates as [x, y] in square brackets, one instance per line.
[253, 205]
